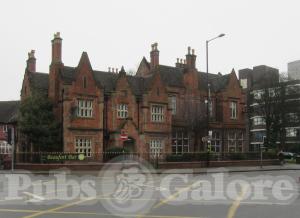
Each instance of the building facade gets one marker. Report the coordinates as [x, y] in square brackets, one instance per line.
[162, 109]
[273, 109]
[294, 70]
[8, 125]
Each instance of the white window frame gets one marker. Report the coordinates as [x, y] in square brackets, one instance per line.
[292, 117]
[5, 128]
[83, 145]
[173, 104]
[85, 108]
[233, 110]
[183, 137]
[243, 83]
[291, 131]
[122, 111]
[235, 140]
[257, 121]
[5, 148]
[156, 147]
[272, 92]
[257, 94]
[216, 142]
[157, 113]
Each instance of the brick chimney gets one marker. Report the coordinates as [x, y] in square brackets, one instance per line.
[31, 62]
[56, 48]
[154, 56]
[191, 58]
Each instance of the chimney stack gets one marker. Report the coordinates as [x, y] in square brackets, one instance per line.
[191, 58]
[31, 62]
[56, 48]
[154, 56]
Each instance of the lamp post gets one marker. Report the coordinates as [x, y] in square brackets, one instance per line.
[208, 93]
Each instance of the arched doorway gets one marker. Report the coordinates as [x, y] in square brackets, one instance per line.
[129, 145]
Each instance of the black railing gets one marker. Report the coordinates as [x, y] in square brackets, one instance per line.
[65, 157]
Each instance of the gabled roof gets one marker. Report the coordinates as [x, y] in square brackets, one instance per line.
[219, 83]
[107, 80]
[203, 80]
[8, 111]
[171, 76]
[39, 81]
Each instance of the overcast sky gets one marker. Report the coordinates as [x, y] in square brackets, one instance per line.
[116, 33]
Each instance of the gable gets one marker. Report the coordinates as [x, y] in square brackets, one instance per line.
[157, 90]
[144, 68]
[84, 80]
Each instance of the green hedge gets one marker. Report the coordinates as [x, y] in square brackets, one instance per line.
[114, 152]
[202, 156]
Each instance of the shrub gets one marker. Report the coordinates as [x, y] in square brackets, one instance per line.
[114, 152]
[237, 156]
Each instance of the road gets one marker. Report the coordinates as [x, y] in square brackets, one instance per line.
[165, 196]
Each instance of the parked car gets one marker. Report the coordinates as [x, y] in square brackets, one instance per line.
[287, 155]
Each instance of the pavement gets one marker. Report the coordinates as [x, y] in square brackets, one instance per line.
[203, 170]
[233, 192]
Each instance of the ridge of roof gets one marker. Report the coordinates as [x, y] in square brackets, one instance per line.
[8, 111]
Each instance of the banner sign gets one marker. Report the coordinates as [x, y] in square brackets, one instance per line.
[63, 157]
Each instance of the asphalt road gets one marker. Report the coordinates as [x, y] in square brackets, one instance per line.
[165, 196]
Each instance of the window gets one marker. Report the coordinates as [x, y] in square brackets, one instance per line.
[272, 92]
[216, 142]
[259, 121]
[235, 141]
[292, 132]
[5, 128]
[292, 89]
[258, 136]
[172, 103]
[5, 148]
[243, 83]
[156, 146]
[180, 142]
[258, 94]
[233, 110]
[85, 108]
[157, 113]
[83, 146]
[84, 82]
[292, 117]
[122, 111]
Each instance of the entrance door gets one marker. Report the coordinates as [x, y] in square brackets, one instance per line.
[129, 145]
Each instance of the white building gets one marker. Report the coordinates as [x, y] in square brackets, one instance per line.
[294, 70]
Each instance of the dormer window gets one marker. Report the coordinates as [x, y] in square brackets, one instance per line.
[84, 82]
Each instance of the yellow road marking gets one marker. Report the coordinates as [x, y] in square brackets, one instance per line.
[175, 195]
[91, 213]
[171, 197]
[59, 208]
[235, 205]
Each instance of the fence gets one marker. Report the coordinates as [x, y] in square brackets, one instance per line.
[64, 157]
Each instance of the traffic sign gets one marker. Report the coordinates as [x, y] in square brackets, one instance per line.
[124, 135]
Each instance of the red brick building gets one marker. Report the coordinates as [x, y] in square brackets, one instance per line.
[161, 108]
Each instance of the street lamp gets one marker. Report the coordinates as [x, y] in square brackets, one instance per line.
[208, 86]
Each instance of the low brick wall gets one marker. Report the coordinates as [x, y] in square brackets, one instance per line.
[46, 167]
[202, 164]
[162, 165]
